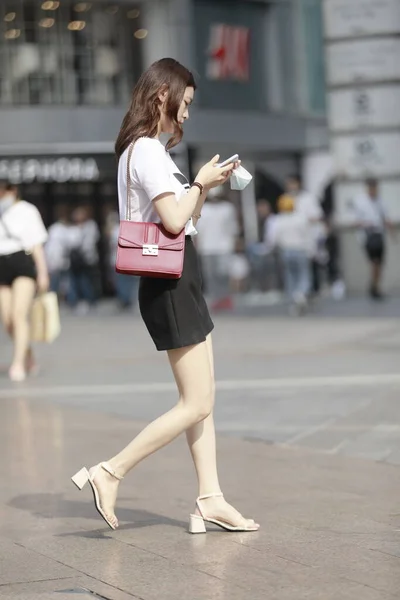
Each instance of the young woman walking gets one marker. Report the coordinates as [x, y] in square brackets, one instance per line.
[23, 270]
[174, 311]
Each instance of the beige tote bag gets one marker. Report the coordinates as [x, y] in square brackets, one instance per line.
[45, 318]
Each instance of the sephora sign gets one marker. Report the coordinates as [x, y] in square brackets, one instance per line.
[59, 170]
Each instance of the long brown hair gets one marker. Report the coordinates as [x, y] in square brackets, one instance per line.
[143, 114]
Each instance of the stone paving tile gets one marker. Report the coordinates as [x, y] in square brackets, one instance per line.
[19, 564]
[318, 518]
[138, 572]
[76, 588]
[325, 347]
[342, 590]
[394, 457]
[345, 561]
[330, 524]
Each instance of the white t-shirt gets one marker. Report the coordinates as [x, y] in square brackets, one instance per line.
[218, 228]
[268, 232]
[291, 232]
[371, 213]
[22, 229]
[57, 247]
[85, 237]
[152, 172]
[309, 206]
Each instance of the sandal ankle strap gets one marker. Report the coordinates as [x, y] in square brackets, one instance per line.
[204, 497]
[214, 495]
[111, 471]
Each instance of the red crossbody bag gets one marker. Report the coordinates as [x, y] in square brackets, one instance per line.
[147, 249]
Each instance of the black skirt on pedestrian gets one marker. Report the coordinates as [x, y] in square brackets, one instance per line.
[15, 265]
[174, 310]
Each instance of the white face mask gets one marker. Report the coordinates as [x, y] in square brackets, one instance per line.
[240, 178]
[6, 201]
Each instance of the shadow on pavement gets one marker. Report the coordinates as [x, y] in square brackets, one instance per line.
[53, 506]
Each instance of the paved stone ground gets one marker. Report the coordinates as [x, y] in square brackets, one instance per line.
[311, 421]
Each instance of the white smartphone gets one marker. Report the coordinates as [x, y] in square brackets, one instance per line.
[232, 159]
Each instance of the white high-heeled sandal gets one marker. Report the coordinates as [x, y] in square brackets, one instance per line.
[82, 477]
[197, 522]
[17, 375]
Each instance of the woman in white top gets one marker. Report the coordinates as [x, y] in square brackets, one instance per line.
[22, 270]
[174, 311]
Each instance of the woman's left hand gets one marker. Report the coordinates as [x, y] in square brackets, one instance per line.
[43, 282]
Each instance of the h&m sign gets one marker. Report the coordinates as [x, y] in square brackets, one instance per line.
[229, 53]
[59, 170]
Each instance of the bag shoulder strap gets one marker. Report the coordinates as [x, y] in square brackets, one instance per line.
[128, 211]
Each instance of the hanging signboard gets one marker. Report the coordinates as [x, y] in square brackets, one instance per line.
[349, 18]
[360, 155]
[60, 169]
[363, 61]
[351, 109]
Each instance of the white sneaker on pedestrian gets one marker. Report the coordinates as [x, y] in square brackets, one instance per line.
[82, 308]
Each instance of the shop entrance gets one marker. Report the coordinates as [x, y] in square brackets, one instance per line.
[60, 199]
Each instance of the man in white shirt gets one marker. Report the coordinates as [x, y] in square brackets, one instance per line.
[84, 260]
[373, 221]
[309, 206]
[290, 234]
[218, 230]
[261, 258]
[57, 250]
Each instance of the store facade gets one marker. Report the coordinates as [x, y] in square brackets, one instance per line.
[68, 68]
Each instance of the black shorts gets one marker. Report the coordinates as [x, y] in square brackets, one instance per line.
[375, 247]
[18, 264]
[174, 310]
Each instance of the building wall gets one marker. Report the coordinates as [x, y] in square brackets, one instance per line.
[363, 79]
[250, 120]
[268, 117]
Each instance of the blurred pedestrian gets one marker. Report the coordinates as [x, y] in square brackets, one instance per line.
[308, 205]
[57, 251]
[174, 311]
[23, 270]
[373, 221]
[290, 234]
[84, 261]
[333, 271]
[218, 230]
[263, 263]
[239, 269]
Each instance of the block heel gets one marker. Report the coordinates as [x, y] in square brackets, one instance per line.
[196, 524]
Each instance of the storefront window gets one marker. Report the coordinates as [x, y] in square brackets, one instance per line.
[64, 52]
[286, 56]
[314, 44]
[230, 53]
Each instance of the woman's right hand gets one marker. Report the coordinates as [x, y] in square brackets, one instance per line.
[211, 176]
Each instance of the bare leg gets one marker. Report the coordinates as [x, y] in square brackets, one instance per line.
[191, 369]
[6, 314]
[202, 444]
[23, 292]
[5, 308]
[376, 275]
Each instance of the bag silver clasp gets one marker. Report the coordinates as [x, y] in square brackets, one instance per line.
[150, 250]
